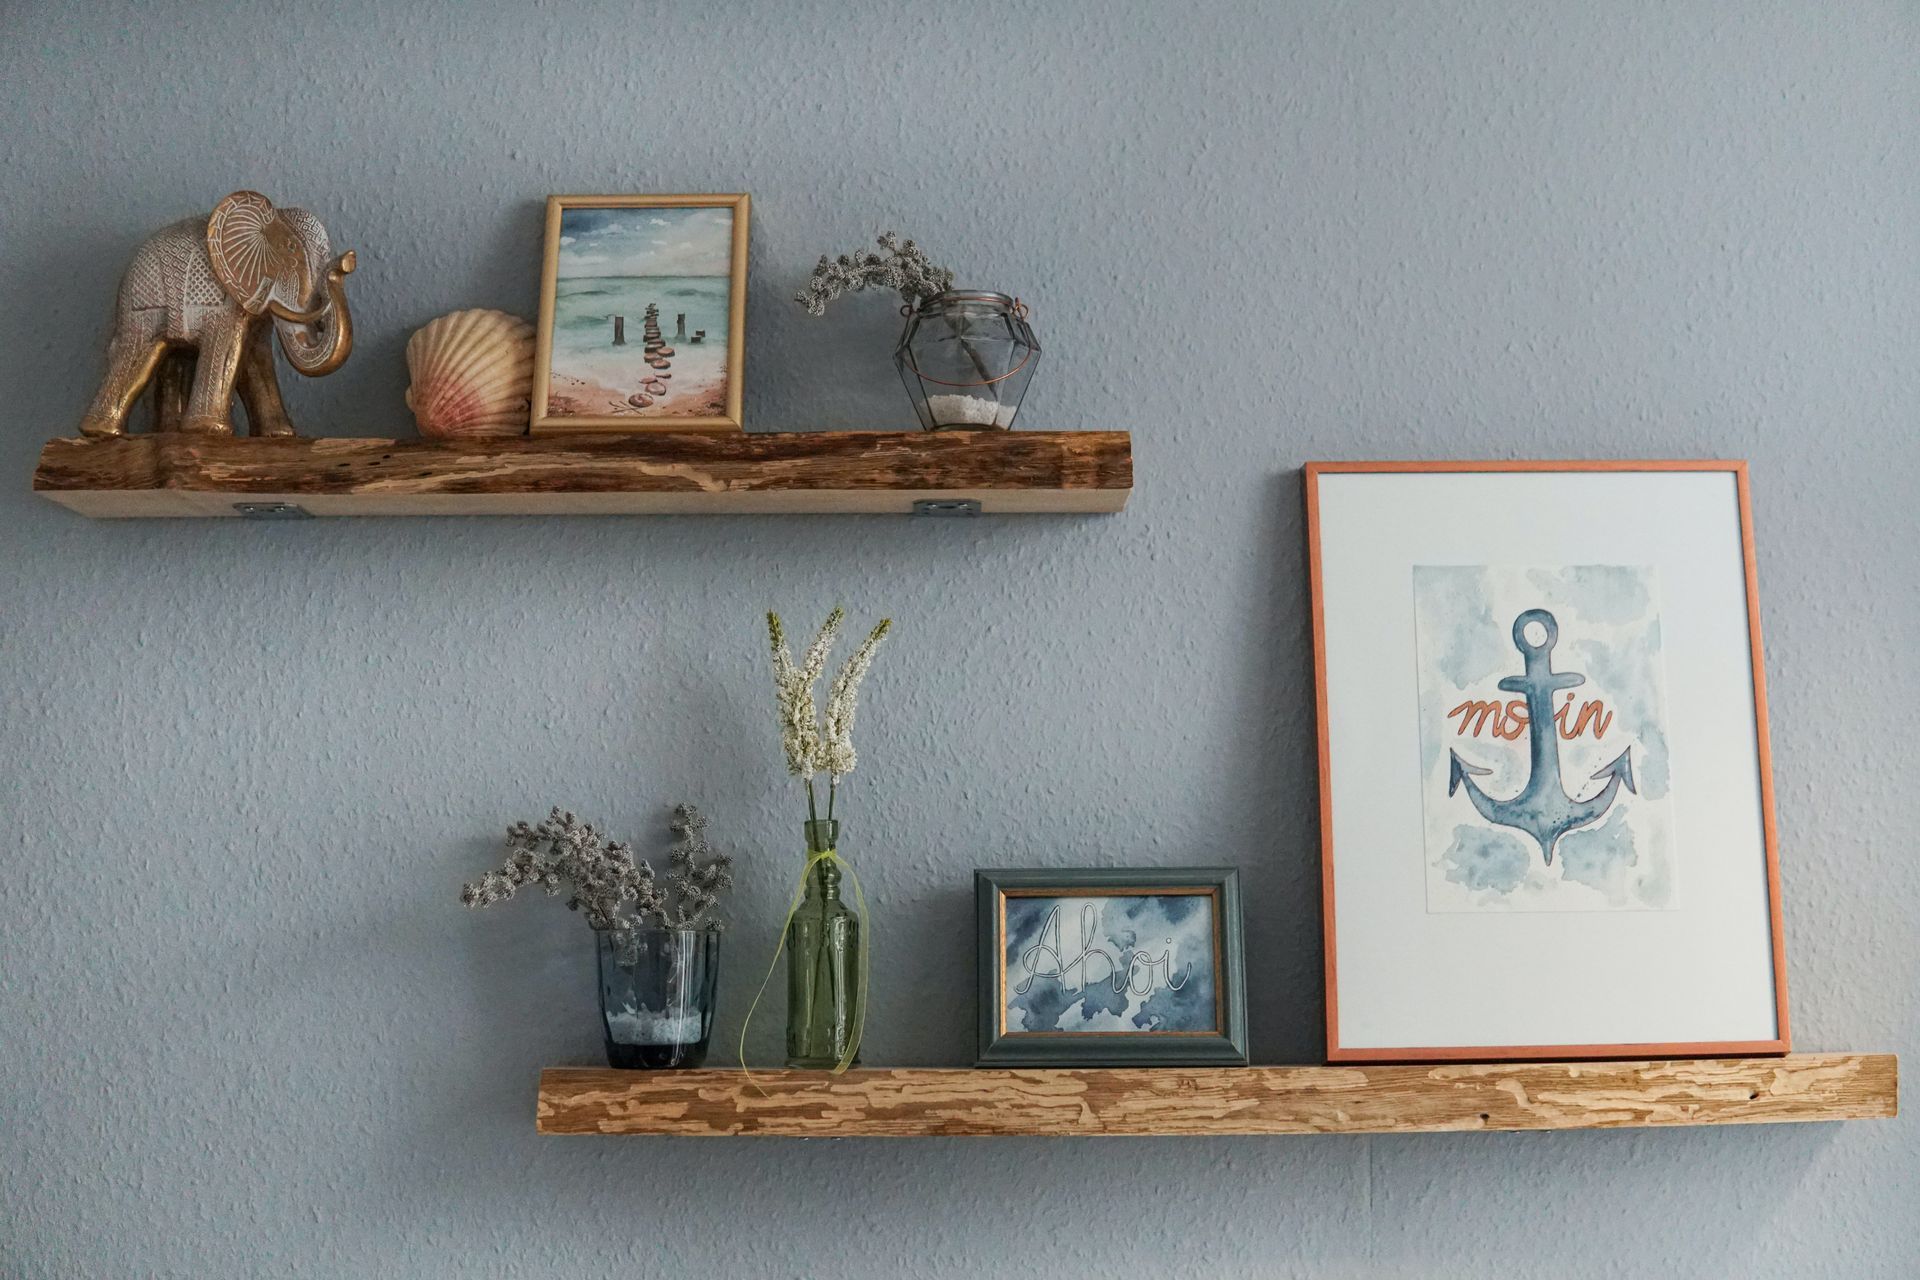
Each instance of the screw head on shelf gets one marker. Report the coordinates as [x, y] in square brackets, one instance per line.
[272, 511]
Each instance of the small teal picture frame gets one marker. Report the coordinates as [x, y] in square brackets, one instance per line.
[1222, 1043]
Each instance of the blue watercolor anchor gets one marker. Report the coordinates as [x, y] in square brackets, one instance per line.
[1543, 809]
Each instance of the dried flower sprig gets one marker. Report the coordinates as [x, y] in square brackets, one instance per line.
[904, 268]
[613, 889]
[606, 881]
[699, 876]
[813, 746]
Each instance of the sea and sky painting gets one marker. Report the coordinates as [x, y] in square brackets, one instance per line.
[665, 274]
[1133, 963]
[1572, 814]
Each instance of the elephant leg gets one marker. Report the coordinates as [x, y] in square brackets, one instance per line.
[131, 359]
[210, 407]
[260, 387]
[170, 385]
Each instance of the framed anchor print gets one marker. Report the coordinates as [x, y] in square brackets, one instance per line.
[1546, 804]
[1111, 966]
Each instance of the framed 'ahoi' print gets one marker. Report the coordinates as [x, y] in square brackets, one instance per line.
[642, 314]
[1104, 966]
[1545, 794]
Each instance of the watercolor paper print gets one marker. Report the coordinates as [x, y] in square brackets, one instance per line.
[640, 316]
[1110, 966]
[1543, 738]
[640, 313]
[1134, 963]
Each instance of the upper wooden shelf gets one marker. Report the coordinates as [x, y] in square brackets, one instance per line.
[1213, 1101]
[661, 474]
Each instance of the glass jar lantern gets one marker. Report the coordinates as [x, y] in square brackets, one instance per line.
[966, 358]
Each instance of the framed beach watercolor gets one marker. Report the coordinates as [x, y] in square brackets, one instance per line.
[1111, 966]
[642, 314]
[1546, 803]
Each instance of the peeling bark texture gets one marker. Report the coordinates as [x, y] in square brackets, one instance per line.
[657, 473]
[1219, 1101]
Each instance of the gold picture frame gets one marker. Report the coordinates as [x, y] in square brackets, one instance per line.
[591, 394]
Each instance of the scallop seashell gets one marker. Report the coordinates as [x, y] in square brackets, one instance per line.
[472, 375]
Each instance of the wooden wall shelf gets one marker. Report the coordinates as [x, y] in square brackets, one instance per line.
[677, 474]
[1221, 1100]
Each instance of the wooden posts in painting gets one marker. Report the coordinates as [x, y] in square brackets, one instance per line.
[619, 331]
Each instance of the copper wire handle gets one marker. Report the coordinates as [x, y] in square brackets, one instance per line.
[1018, 311]
[939, 382]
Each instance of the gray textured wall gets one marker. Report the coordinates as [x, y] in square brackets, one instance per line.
[245, 1029]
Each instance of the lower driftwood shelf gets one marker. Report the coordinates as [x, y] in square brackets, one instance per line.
[680, 473]
[1199, 1101]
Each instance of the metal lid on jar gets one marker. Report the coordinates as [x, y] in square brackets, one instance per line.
[1001, 302]
[947, 298]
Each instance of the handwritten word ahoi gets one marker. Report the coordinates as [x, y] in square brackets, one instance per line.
[1123, 973]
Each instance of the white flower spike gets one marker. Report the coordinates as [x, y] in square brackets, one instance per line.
[812, 745]
[844, 700]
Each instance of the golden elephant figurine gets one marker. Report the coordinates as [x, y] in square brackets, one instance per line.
[194, 311]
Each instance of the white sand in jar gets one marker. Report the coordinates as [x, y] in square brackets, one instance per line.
[644, 1026]
[969, 411]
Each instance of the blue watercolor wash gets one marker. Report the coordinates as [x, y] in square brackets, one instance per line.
[1483, 859]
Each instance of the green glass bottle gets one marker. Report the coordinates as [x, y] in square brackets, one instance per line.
[823, 963]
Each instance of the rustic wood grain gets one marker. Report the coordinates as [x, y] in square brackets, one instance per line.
[692, 472]
[1225, 1100]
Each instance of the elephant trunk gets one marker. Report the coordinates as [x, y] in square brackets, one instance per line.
[319, 341]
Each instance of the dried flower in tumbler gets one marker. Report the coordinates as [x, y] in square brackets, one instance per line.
[604, 881]
[699, 876]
